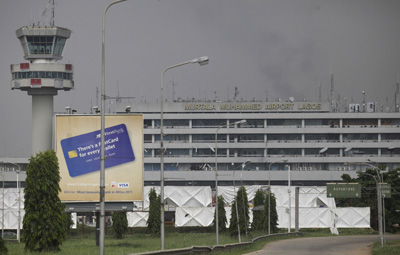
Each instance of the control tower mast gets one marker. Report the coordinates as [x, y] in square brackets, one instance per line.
[42, 77]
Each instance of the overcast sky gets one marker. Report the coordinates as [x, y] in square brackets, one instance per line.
[265, 48]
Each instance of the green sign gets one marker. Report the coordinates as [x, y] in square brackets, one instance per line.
[386, 190]
[343, 190]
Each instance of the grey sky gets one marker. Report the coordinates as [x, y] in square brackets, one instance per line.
[285, 47]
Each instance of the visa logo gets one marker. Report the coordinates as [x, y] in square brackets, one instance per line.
[123, 185]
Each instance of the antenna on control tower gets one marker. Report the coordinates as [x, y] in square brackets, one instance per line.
[49, 10]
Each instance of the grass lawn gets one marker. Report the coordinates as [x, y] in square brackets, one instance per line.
[140, 241]
[391, 248]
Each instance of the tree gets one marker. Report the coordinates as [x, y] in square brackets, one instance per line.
[368, 198]
[257, 223]
[243, 212]
[274, 214]
[120, 224]
[44, 221]
[154, 220]
[221, 215]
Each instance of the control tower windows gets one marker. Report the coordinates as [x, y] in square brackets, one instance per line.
[42, 75]
[40, 44]
[43, 45]
[59, 46]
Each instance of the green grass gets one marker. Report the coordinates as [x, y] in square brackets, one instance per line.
[139, 240]
[391, 248]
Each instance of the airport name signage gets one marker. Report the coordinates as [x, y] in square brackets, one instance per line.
[268, 107]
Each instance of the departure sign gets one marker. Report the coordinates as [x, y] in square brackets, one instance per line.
[386, 189]
[343, 190]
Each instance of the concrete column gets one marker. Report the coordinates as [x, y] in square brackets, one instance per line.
[42, 122]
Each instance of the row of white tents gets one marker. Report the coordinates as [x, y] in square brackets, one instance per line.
[193, 207]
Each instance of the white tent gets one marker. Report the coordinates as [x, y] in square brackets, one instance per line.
[9, 206]
[193, 206]
[137, 219]
[194, 216]
[181, 196]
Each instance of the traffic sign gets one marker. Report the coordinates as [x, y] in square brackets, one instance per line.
[386, 190]
[343, 190]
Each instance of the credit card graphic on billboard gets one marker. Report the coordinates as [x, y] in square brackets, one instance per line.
[82, 152]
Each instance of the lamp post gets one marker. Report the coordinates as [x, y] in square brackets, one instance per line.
[269, 193]
[2, 214]
[290, 200]
[102, 152]
[379, 197]
[216, 174]
[378, 194]
[236, 207]
[244, 164]
[201, 61]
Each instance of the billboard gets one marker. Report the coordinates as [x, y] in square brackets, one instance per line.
[78, 150]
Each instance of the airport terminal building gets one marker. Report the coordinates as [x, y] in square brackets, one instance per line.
[316, 144]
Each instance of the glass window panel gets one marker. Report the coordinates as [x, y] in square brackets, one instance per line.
[203, 138]
[208, 123]
[391, 136]
[322, 137]
[59, 45]
[252, 123]
[284, 122]
[59, 75]
[359, 136]
[360, 122]
[284, 137]
[284, 151]
[390, 122]
[322, 122]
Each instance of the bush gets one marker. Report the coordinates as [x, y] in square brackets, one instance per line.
[3, 248]
[120, 224]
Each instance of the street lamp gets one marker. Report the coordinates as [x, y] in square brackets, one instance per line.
[244, 164]
[102, 154]
[379, 196]
[269, 193]
[201, 61]
[290, 200]
[236, 207]
[216, 174]
[2, 214]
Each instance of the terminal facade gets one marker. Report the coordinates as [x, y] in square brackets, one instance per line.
[315, 143]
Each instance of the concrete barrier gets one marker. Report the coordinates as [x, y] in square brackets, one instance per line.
[209, 249]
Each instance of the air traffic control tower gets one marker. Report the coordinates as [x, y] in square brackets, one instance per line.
[42, 77]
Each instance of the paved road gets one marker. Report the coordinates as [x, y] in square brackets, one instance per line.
[334, 245]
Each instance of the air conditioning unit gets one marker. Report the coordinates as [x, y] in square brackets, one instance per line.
[300, 168]
[310, 168]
